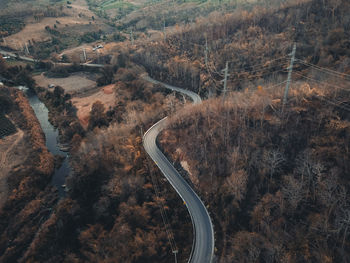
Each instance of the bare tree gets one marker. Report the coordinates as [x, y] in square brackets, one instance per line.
[273, 160]
[238, 183]
[344, 223]
[293, 191]
[309, 170]
[334, 4]
[170, 102]
[327, 189]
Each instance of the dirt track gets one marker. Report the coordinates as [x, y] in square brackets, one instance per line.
[13, 150]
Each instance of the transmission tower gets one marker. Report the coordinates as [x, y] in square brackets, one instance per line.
[225, 81]
[290, 71]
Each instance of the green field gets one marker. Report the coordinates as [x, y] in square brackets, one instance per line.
[115, 9]
[113, 4]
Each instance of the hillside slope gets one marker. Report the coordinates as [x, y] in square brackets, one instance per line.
[254, 40]
[276, 183]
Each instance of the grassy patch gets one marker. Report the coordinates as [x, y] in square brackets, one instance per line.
[112, 4]
[103, 8]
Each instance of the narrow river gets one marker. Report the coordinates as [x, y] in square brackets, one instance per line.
[51, 135]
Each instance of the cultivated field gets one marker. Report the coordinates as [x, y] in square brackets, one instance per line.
[76, 20]
[76, 83]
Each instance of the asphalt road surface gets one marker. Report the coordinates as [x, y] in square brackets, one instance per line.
[203, 245]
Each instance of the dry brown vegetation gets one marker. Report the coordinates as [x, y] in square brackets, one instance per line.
[46, 27]
[13, 151]
[29, 194]
[276, 183]
[106, 95]
[111, 213]
[37, 135]
[249, 37]
[75, 83]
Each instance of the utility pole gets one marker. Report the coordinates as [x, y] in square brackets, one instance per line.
[131, 37]
[98, 56]
[4, 40]
[206, 51]
[84, 52]
[225, 81]
[26, 50]
[290, 70]
[175, 253]
[164, 32]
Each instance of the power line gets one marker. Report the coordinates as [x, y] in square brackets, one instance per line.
[272, 87]
[260, 64]
[189, 42]
[259, 69]
[206, 50]
[333, 103]
[250, 78]
[326, 70]
[320, 82]
[269, 87]
[259, 76]
[278, 84]
[164, 215]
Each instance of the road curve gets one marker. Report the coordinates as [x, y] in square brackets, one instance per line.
[203, 245]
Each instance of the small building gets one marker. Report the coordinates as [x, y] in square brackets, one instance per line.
[51, 86]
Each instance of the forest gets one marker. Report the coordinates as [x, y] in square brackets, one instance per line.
[274, 176]
[276, 182]
[110, 211]
[247, 37]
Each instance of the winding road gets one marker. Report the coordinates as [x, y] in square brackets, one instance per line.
[203, 245]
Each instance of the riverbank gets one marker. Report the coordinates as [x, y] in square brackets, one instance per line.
[24, 151]
[62, 114]
[9, 146]
[26, 169]
[37, 136]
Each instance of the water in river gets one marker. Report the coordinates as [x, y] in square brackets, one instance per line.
[51, 134]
